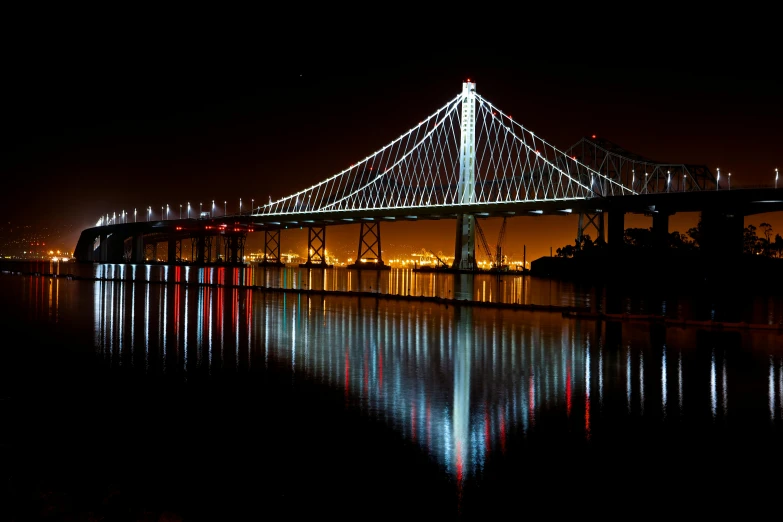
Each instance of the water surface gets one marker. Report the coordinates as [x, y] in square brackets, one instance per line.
[212, 401]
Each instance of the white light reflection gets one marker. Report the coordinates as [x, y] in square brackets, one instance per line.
[780, 388]
[628, 376]
[725, 388]
[771, 388]
[461, 415]
[679, 379]
[164, 314]
[120, 320]
[713, 386]
[133, 320]
[641, 383]
[293, 337]
[663, 381]
[147, 325]
[185, 333]
[97, 314]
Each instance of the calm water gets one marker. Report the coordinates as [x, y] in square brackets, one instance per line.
[732, 304]
[225, 402]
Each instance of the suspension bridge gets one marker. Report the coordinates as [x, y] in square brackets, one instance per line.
[467, 160]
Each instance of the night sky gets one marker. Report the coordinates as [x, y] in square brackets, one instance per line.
[98, 122]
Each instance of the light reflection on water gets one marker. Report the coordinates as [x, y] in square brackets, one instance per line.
[459, 382]
[711, 304]
[466, 385]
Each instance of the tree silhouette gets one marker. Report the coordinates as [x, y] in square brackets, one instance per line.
[777, 246]
[765, 242]
[750, 240]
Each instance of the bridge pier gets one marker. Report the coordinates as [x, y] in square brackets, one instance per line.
[151, 252]
[271, 248]
[234, 248]
[660, 229]
[722, 234]
[616, 236]
[201, 248]
[174, 250]
[103, 248]
[369, 246]
[465, 244]
[137, 248]
[111, 248]
[587, 220]
[316, 248]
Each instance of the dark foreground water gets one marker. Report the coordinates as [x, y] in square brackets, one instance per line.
[128, 400]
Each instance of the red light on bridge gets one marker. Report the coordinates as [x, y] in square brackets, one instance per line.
[178, 228]
[593, 136]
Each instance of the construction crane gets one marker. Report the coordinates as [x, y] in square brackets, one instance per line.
[495, 261]
[441, 262]
[499, 248]
[484, 243]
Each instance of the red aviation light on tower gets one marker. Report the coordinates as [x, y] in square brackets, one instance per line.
[593, 136]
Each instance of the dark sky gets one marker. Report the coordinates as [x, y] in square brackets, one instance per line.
[104, 121]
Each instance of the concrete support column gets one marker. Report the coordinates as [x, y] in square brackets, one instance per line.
[137, 249]
[616, 229]
[172, 250]
[116, 248]
[201, 255]
[660, 229]
[103, 250]
[722, 234]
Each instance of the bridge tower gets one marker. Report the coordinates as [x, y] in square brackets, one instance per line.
[465, 245]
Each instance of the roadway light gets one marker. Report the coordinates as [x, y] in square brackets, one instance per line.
[225, 207]
[240, 206]
[717, 183]
[646, 189]
[149, 213]
[729, 180]
[252, 201]
[776, 178]
[134, 215]
[167, 210]
[188, 209]
[180, 210]
[668, 180]
[200, 211]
